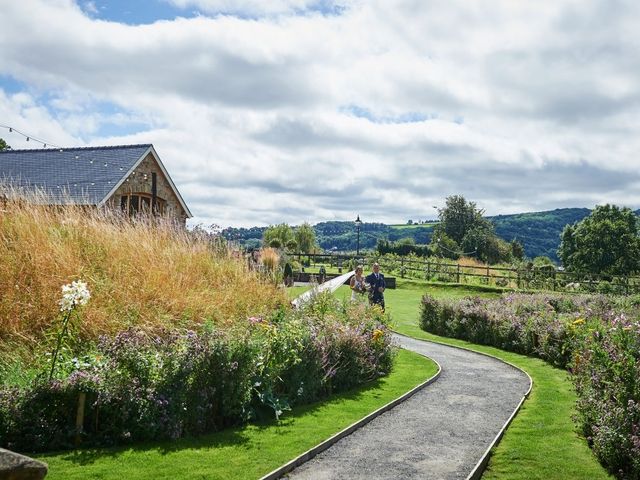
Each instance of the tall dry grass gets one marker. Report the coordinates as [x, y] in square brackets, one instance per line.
[145, 273]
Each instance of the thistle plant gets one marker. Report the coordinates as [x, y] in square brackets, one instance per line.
[74, 295]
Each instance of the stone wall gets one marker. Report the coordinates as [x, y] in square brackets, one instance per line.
[140, 182]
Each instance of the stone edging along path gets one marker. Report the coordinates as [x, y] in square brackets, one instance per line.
[321, 447]
[444, 431]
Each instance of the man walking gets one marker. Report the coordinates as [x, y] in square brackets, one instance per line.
[376, 281]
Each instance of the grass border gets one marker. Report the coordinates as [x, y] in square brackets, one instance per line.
[309, 454]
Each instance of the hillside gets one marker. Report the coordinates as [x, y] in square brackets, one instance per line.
[539, 232]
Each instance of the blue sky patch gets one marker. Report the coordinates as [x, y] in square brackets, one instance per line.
[132, 12]
[407, 117]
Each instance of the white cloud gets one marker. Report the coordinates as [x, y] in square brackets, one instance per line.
[264, 119]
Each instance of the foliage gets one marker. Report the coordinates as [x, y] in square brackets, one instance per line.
[401, 247]
[277, 236]
[443, 246]
[517, 250]
[596, 337]
[605, 242]
[305, 237]
[606, 371]
[539, 232]
[464, 230]
[3, 145]
[171, 384]
[459, 217]
[247, 451]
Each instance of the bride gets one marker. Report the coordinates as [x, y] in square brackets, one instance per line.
[358, 286]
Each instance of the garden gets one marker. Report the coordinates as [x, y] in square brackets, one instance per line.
[122, 333]
[597, 338]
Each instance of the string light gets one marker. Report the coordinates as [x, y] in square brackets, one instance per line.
[28, 138]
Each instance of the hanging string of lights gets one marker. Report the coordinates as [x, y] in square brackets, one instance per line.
[28, 137]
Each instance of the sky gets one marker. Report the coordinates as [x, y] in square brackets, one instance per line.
[314, 110]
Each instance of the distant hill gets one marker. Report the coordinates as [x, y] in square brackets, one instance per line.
[539, 232]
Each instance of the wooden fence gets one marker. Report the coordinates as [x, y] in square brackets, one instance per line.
[440, 270]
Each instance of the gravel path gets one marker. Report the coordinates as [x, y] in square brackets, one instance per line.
[440, 432]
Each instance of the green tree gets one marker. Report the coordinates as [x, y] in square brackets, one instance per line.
[517, 250]
[3, 145]
[443, 246]
[458, 217]
[305, 237]
[605, 242]
[277, 235]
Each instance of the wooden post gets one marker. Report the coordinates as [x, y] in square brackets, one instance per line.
[458, 274]
[80, 417]
[487, 274]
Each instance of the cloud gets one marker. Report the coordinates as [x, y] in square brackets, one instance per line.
[300, 110]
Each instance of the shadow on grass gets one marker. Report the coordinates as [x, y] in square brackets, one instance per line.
[233, 436]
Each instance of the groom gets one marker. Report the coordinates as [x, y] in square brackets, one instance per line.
[376, 280]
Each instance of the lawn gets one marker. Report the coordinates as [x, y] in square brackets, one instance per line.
[541, 442]
[246, 452]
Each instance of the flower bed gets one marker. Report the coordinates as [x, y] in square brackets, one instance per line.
[141, 386]
[596, 337]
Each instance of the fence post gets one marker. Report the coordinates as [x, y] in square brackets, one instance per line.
[428, 270]
[518, 278]
[458, 274]
[80, 417]
[487, 274]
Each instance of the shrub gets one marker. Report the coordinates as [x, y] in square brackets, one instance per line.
[168, 384]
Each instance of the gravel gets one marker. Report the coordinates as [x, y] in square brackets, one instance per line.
[441, 432]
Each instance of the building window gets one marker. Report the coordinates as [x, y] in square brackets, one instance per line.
[135, 203]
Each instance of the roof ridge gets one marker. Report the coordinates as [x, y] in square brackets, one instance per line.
[66, 149]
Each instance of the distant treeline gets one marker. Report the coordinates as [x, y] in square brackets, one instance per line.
[539, 232]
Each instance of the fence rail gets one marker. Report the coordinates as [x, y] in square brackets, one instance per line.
[535, 278]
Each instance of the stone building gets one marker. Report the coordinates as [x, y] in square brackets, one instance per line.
[128, 177]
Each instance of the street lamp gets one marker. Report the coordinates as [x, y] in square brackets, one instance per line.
[358, 223]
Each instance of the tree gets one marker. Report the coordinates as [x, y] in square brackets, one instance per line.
[3, 145]
[459, 216]
[277, 235]
[606, 242]
[443, 246]
[305, 237]
[517, 250]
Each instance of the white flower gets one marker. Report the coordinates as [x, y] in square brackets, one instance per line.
[74, 294]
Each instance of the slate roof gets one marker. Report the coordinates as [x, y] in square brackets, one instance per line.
[70, 175]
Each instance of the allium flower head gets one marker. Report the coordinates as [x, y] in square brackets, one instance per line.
[74, 294]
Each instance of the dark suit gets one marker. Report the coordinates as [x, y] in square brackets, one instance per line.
[375, 296]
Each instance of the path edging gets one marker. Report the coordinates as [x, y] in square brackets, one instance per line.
[479, 468]
[309, 454]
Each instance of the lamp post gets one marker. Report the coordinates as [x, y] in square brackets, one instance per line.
[358, 223]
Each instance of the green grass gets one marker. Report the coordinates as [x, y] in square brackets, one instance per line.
[246, 452]
[541, 442]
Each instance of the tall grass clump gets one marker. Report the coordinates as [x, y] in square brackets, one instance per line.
[145, 272]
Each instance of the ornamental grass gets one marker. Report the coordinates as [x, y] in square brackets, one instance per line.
[144, 272]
